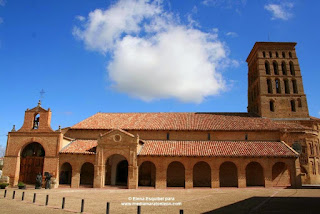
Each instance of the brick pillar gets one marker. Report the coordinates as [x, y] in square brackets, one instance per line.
[11, 169]
[75, 180]
[188, 177]
[161, 175]
[132, 177]
[295, 173]
[99, 176]
[267, 172]
[215, 183]
[242, 183]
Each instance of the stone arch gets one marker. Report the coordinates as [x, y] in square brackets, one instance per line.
[147, 174]
[280, 175]
[201, 174]
[175, 174]
[116, 168]
[228, 174]
[87, 174]
[65, 173]
[31, 162]
[254, 174]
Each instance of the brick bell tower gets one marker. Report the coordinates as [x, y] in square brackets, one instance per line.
[275, 88]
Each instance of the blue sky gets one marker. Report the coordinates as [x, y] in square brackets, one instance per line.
[143, 56]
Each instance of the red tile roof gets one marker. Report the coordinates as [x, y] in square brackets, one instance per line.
[80, 147]
[217, 148]
[179, 121]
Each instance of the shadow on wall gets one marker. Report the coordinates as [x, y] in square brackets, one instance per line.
[283, 205]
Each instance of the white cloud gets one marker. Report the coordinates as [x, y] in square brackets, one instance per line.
[232, 34]
[280, 11]
[80, 18]
[155, 56]
[224, 3]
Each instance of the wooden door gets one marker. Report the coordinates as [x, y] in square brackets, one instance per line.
[30, 166]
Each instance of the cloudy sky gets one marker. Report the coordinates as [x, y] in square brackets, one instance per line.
[143, 56]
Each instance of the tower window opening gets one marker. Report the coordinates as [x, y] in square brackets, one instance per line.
[293, 105]
[269, 83]
[275, 68]
[278, 87]
[284, 68]
[271, 105]
[292, 71]
[36, 121]
[286, 86]
[277, 54]
[270, 54]
[283, 55]
[294, 86]
[264, 54]
[267, 66]
[290, 54]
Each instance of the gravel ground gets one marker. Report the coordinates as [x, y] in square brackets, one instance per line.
[222, 200]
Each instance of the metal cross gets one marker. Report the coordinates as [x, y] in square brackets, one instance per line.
[42, 92]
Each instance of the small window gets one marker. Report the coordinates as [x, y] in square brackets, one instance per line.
[277, 55]
[292, 71]
[293, 105]
[264, 54]
[286, 86]
[275, 68]
[272, 105]
[284, 68]
[209, 136]
[269, 83]
[278, 86]
[168, 136]
[290, 54]
[246, 136]
[270, 54]
[283, 55]
[294, 86]
[267, 66]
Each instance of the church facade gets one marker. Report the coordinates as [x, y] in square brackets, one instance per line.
[275, 143]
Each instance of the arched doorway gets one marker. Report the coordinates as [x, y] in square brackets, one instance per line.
[254, 174]
[147, 174]
[86, 174]
[65, 173]
[31, 162]
[175, 175]
[228, 175]
[201, 175]
[280, 175]
[116, 170]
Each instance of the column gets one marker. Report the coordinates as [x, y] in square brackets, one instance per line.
[161, 175]
[242, 183]
[75, 180]
[188, 177]
[215, 183]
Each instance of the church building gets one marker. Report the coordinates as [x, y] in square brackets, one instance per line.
[275, 143]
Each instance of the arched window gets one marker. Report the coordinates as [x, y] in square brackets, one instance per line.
[293, 105]
[284, 68]
[292, 72]
[277, 54]
[272, 105]
[294, 86]
[264, 54]
[275, 68]
[267, 66]
[278, 86]
[36, 121]
[270, 54]
[286, 86]
[290, 54]
[299, 103]
[269, 83]
[283, 55]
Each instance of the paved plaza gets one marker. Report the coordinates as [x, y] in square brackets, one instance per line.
[222, 200]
